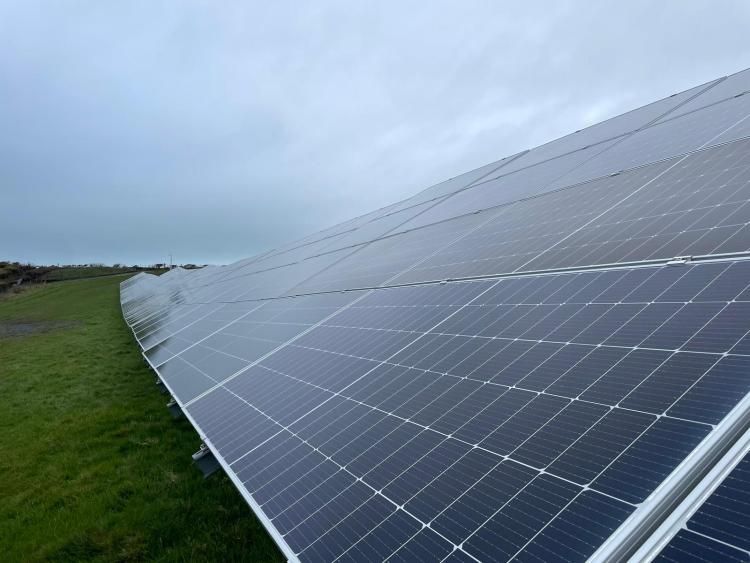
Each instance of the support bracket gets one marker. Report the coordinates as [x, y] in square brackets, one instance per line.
[174, 408]
[679, 260]
[160, 385]
[206, 461]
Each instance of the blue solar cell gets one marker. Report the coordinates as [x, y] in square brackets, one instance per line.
[429, 467]
[486, 421]
[388, 467]
[481, 501]
[655, 285]
[581, 526]
[723, 331]
[648, 461]
[692, 282]
[601, 445]
[525, 423]
[479, 398]
[728, 285]
[587, 371]
[440, 493]
[681, 326]
[520, 367]
[555, 366]
[520, 519]
[559, 433]
[382, 541]
[426, 545]
[580, 321]
[641, 325]
[743, 346]
[668, 382]
[617, 381]
[351, 527]
[598, 331]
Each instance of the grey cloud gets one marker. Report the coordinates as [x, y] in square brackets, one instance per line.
[215, 130]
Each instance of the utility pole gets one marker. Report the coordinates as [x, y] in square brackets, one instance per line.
[170, 260]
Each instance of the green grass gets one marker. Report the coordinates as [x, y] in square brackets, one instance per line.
[92, 466]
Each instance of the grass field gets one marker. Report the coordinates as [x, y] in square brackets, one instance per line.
[92, 466]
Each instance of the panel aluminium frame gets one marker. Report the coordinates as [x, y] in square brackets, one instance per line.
[693, 502]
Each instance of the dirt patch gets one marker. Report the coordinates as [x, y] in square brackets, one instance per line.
[10, 329]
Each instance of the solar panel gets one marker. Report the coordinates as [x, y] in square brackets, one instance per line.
[610, 129]
[535, 360]
[525, 182]
[719, 90]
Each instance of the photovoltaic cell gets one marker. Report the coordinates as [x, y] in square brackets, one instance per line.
[522, 183]
[464, 180]
[677, 136]
[728, 87]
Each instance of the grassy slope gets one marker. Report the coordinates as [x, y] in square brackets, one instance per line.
[92, 465]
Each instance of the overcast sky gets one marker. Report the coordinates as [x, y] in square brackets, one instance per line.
[214, 130]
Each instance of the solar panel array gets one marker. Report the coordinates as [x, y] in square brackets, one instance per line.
[533, 361]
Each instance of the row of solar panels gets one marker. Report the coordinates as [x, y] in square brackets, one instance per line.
[509, 366]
